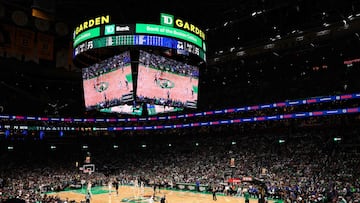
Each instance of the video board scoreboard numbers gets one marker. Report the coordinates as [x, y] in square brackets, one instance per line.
[168, 31]
[142, 40]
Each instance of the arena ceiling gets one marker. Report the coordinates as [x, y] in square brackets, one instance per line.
[232, 27]
[228, 24]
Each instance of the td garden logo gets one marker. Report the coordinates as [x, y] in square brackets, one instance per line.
[143, 199]
[165, 83]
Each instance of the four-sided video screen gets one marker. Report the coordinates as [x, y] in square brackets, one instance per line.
[162, 85]
[166, 82]
[108, 85]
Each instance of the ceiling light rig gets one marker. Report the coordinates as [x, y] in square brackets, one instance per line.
[326, 24]
[256, 13]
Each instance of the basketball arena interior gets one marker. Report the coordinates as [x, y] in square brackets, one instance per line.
[180, 102]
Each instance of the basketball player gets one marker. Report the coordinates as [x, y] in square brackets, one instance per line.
[214, 193]
[136, 182]
[155, 79]
[117, 187]
[154, 187]
[110, 186]
[127, 84]
[88, 197]
[151, 200]
[89, 187]
[247, 196]
[142, 188]
[136, 187]
[163, 199]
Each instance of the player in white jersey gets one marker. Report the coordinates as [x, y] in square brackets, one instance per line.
[89, 185]
[110, 186]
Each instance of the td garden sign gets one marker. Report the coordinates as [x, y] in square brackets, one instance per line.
[170, 20]
[94, 22]
[172, 32]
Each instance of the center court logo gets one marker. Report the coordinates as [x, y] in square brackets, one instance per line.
[102, 86]
[165, 83]
[143, 199]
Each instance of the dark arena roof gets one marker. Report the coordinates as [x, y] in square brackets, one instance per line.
[277, 100]
[269, 47]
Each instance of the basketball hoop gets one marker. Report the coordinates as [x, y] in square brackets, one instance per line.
[88, 168]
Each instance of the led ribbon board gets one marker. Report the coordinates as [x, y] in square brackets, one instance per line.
[170, 32]
[139, 40]
[89, 34]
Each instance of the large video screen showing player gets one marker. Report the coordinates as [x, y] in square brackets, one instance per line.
[167, 82]
[153, 109]
[124, 109]
[108, 83]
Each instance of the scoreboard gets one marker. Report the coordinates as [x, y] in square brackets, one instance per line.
[100, 32]
[140, 40]
[148, 73]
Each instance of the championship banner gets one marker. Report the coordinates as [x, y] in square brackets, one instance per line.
[45, 46]
[69, 58]
[63, 58]
[24, 42]
[7, 39]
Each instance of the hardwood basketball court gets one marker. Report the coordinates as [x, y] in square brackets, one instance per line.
[133, 195]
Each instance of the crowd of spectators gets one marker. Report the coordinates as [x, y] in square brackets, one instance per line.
[105, 66]
[297, 160]
[166, 64]
[308, 167]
